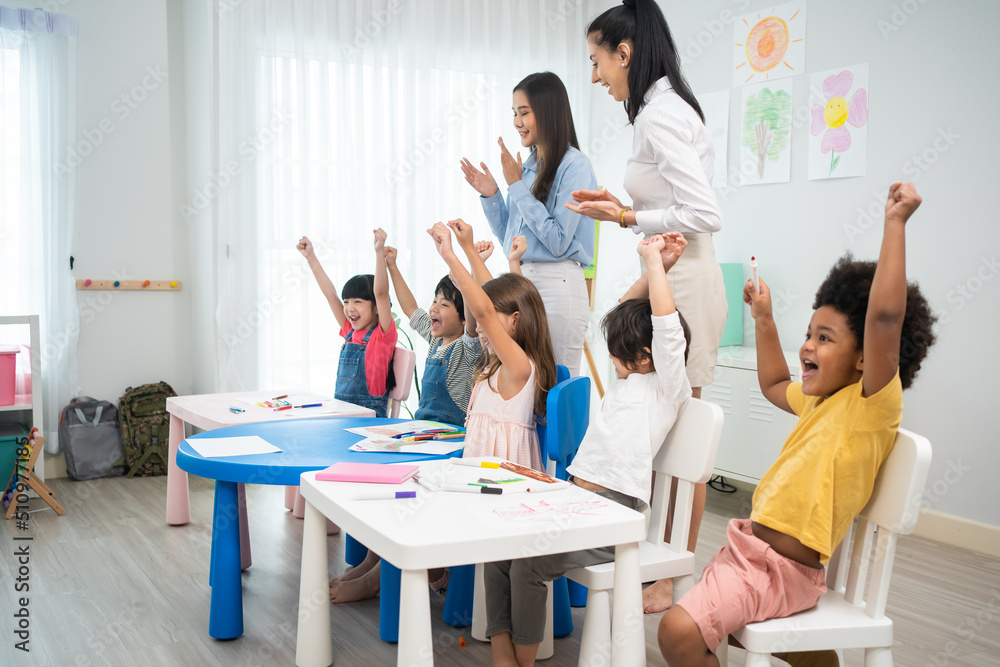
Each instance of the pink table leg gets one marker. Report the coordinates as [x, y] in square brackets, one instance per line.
[290, 497]
[244, 528]
[178, 503]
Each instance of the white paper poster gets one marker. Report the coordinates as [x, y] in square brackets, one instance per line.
[715, 106]
[770, 44]
[766, 133]
[838, 128]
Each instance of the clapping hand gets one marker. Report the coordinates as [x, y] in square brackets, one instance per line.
[511, 167]
[482, 181]
[596, 204]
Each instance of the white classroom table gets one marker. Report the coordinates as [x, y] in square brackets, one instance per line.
[211, 411]
[444, 529]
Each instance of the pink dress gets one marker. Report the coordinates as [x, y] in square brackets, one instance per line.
[496, 427]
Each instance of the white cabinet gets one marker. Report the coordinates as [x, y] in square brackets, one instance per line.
[27, 408]
[754, 430]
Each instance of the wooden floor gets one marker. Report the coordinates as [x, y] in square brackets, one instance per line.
[112, 584]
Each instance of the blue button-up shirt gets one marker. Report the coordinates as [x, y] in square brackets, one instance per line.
[553, 232]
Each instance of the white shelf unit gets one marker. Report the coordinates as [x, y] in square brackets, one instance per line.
[28, 402]
[754, 430]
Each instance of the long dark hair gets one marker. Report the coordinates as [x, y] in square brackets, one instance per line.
[554, 123]
[641, 22]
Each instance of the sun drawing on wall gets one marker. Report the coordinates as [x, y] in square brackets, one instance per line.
[770, 45]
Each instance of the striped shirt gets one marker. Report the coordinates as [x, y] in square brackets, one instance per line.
[463, 363]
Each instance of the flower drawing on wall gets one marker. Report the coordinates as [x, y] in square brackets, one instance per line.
[837, 114]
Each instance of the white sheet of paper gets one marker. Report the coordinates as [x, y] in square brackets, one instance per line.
[769, 44]
[715, 106]
[838, 127]
[243, 445]
[765, 133]
[394, 446]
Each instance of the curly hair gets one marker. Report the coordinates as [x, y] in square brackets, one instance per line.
[847, 287]
[628, 330]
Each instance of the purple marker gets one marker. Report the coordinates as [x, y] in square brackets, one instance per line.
[385, 495]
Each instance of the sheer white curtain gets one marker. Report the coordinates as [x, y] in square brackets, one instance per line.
[338, 117]
[37, 129]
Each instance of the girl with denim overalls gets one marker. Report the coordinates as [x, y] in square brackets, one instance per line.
[455, 352]
[364, 373]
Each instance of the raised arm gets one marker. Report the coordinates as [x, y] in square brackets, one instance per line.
[887, 297]
[305, 247]
[381, 286]
[463, 232]
[772, 369]
[407, 303]
[660, 253]
[516, 368]
[518, 246]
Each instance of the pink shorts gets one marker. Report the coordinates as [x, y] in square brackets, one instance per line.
[747, 581]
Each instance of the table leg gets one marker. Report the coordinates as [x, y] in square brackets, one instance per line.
[244, 529]
[225, 620]
[628, 640]
[290, 496]
[313, 646]
[388, 602]
[178, 503]
[416, 645]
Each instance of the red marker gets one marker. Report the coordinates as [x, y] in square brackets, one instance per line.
[753, 274]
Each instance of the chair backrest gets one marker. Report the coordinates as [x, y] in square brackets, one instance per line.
[567, 410]
[403, 363]
[688, 455]
[892, 510]
[562, 374]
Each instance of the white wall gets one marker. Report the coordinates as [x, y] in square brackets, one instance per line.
[934, 76]
[127, 225]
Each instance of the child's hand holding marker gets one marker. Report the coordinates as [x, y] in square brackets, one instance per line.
[753, 273]
[759, 300]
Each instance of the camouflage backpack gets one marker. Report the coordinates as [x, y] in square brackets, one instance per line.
[145, 426]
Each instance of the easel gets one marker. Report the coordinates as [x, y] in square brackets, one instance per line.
[24, 472]
[590, 275]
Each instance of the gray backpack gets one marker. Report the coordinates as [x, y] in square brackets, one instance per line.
[90, 439]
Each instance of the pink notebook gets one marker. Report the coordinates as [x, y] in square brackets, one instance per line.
[375, 473]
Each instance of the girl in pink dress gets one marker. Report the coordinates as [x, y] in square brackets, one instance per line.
[519, 366]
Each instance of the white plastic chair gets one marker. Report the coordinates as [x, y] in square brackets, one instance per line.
[403, 363]
[852, 613]
[688, 454]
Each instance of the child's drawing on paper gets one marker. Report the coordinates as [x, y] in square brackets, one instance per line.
[766, 133]
[769, 45]
[544, 510]
[838, 144]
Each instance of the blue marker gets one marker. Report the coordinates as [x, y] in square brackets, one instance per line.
[236, 410]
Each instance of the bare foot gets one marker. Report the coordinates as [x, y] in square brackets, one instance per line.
[370, 561]
[658, 597]
[362, 588]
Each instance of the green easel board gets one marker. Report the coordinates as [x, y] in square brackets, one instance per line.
[732, 277]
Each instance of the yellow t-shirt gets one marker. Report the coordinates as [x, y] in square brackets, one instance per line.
[826, 470]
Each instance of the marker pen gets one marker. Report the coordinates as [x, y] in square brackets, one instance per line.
[753, 274]
[475, 464]
[426, 484]
[489, 490]
[283, 407]
[549, 487]
[236, 410]
[385, 495]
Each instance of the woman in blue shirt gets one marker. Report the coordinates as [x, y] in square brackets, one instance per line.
[560, 242]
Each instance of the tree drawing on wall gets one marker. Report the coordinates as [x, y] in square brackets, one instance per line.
[767, 124]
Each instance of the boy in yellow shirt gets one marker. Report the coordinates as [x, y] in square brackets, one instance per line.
[868, 334]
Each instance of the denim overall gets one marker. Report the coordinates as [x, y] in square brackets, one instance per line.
[352, 385]
[436, 403]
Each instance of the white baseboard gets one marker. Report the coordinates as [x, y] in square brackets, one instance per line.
[959, 532]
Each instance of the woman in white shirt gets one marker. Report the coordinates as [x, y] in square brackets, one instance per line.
[560, 243]
[668, 178]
